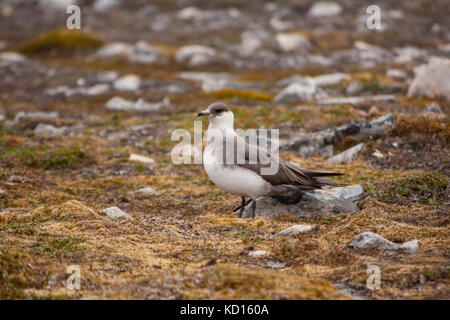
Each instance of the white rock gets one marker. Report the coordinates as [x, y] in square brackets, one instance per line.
[330, 79]
[433, 80]
[292, 42]
[12, 57]
[251, 41]
[3, 192]
[190, 13]
[115, 212]
[195, 55]
[114, 50]
[107, 76]
[348, 155]
[353, 193]
[120, 104]
[146, 190]
[354, 87]
[129, 82]
[2, 117]
[408, 54]
[300, 92]
[433, 107]
[325, 9]
[369, 240]
[143, 52]
[96, 89]
[203, 76]
[293, 230]
[56, 4]
[257, 253]
[102, 6]
[22, 115]
[396, 74]
[139, 158]
[378, 154]
[48, 130]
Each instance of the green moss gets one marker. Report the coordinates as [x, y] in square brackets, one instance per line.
[428, 188]
[60, 245]
[45, 157]
[61, 40]
[13, 275]
[227, 94]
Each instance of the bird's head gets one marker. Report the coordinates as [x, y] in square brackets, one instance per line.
[219, 115]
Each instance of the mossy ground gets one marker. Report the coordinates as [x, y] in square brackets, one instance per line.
[184, 241]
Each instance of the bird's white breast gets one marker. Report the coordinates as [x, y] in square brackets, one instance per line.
[233, 179]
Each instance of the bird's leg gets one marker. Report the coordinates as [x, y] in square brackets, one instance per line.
[253, 207]
[241, 210]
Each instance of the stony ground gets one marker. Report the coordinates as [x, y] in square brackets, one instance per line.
[61, 166]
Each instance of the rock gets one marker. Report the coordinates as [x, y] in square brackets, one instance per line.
[115, 212]
[35, 115]
[103, 6]
[293, 230]
[204, 76]
[60, 5]
[146, 190]
[257, 253]
[325, 9]
[369, 240]
[354, 87]
[147, 54]
[48, 130]
[114, 50]
[120, 104]
[408, 54]
[251, 41]
[396, 74]
[313, 203]
[348, 155]
[353, 193]
[3, 192]
[12, 57]
[378, 154]
[433, 107]
[211, 85]
[355, 100]
[300, 92]
[374, 110]
[432, 80]
[96, 89]
[292, 42]
[107, 76]
[2, 117]
[322, 143]
[139, 158]
[129, 82]
[195, 55]
[321, 81]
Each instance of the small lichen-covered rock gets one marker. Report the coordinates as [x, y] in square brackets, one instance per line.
[293, 230]
[313, 203]
[348, 155]
[432, 80]
[300, 92]
[195, 55]
[369, 240]
[115, 212]
[129, 82]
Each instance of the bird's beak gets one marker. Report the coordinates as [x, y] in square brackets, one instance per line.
[203, 113]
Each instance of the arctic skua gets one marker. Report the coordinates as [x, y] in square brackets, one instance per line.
[244, 175]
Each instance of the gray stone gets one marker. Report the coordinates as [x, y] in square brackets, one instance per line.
[257, 253]
[396, 74]
[408, 54]
[356, 100]
[129, 82]
[146, 190]
[48, 130]
[348, 155]
[353, 193]
[325, 9]
[300, 92]
[219, 84]
[120, 104]
[321, 81]
[35, 115]
[313, 203]
[103, 6]
[251, 41]
[143, 52]
[114, 50]
[12, 57]
[107, 76]
[292, 42]
[433, 107]
[139, 158]
[195, 55]
[2, 117]
[115, 212]
[293, 230]
[204, 76]
[354, 87]
[433, 80]
[369, 240]
[322, 143]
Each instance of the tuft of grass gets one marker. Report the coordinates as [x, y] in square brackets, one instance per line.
[428, 188]
[45, 157]
[227, 94]
[61, 40]
[13, 275]
[60, 245]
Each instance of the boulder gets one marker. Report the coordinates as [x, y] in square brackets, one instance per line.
[370, 240]
[432, 80]
[115, 212]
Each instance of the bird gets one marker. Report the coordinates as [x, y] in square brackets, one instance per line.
[246, 178]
